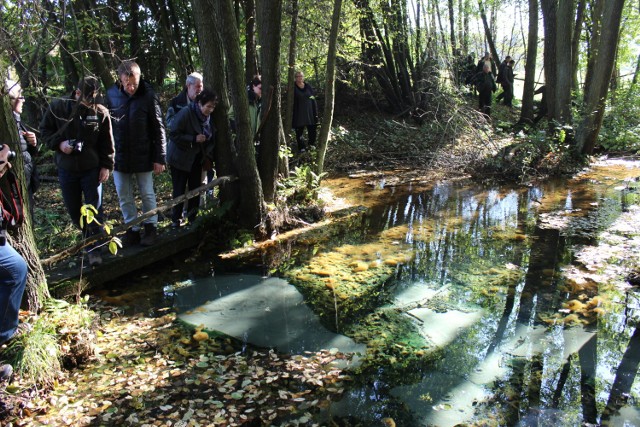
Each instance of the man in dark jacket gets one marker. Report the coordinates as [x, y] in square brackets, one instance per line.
[486, 85]
[500, 79]
[193, 87]
[139, 134]
[79, 131]
[507, 83]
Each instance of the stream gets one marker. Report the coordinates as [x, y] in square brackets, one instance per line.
[461, 303]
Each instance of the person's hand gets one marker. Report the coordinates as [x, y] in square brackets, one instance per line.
[104, 175]
[30, 137]
[158, 168]
[4, 160]
[200, 138]
[65, 147]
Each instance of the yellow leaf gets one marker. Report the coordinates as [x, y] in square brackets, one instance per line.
[113, 247]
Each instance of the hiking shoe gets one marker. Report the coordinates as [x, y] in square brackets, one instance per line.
[21, 330]
[94, 258]
[6, 372]
[150, 235]
[131, 237]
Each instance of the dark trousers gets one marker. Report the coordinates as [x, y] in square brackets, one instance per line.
[311, 131]
[75, 185]
[508, 94]
[183, 181]
[484, 102]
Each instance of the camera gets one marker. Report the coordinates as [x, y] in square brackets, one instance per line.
[10, 155]
[76, 145]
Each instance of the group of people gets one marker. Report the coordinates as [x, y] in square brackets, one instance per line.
[484, 82]
[125, 136]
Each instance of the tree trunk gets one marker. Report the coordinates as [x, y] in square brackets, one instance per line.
[251, 207]
[593, 41]
[251, 53]
[465, 39]
[526, 113]
[291, 68]
[452, 29]
[636, 73]
[598, 86]
[213, 72]
[269, 28]
[564, 72]
[487, 33]
[549, 13]
[23, 240]
[575, 43]
[330, 85]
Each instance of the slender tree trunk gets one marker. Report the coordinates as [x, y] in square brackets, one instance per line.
[270, 29]
[291, 69]
[636, 73]
[251, 51]
[487, 33]
[452, 29]
[575, 43]
[549, 13]
[251, 207]
[564, 71]
[526, 113]
[597, 88]
[330, 85]
[466, 27]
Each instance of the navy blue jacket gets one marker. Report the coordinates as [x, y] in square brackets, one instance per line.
[138, 128]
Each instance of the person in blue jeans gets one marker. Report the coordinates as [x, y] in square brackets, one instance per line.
[139, 135]
[13, 276]
[79, 131]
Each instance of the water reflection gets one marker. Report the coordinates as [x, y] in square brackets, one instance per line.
[462, 297]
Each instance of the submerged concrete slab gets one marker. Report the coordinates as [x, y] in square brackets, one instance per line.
[264, 312]
[441, 328]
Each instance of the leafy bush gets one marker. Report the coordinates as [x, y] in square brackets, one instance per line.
[621, 123]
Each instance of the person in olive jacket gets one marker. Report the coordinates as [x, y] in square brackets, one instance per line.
[138, 130]
[191, 143]
[79, 131]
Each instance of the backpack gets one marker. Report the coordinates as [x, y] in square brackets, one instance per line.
[12, 202]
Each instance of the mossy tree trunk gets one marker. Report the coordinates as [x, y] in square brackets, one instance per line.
[23, 239]
[251, 208]
[330, 86]
[526, 113]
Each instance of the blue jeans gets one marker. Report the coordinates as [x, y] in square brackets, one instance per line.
[13, 279]
[124, 186]
[74, 185]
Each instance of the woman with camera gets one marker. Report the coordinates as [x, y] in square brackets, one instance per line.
[79, 131]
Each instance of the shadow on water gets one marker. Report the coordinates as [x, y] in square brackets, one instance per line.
[460, 303]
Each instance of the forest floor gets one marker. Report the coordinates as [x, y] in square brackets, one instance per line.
[147, 369]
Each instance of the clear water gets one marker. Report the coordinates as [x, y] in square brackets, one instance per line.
[460, 295]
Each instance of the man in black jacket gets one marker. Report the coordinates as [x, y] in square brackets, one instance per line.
[193, 87]
[139, 134]
[79, 131]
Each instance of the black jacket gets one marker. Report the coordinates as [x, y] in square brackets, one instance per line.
[89, 125]
[138, 128]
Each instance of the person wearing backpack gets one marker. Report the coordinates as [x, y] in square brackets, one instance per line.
[13, 268]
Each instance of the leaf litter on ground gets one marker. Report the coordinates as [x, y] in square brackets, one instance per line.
[151, 371]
